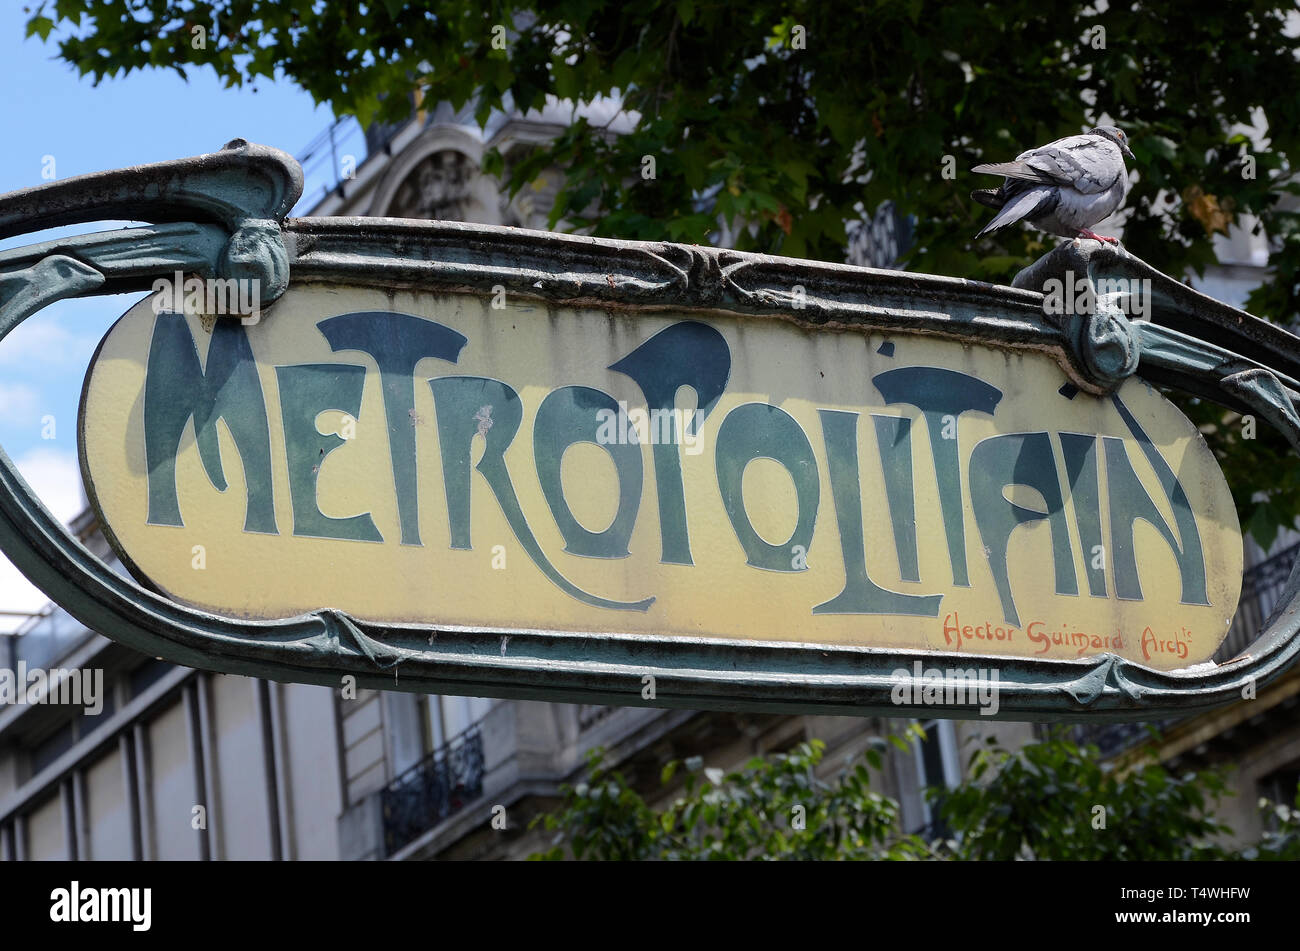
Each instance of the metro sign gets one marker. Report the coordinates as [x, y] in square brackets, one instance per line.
[423, 451]
[488, 461]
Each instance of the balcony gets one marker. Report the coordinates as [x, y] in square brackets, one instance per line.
[437, 787]
[1261, 586]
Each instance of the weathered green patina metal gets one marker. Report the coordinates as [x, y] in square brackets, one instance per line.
[222, 216]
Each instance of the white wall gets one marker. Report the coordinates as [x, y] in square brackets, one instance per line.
[171, 786]
[241, 814]
[108, 815]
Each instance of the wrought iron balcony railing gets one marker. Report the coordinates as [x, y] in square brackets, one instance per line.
[1261, 586]
[1113, 738]
[437, 787]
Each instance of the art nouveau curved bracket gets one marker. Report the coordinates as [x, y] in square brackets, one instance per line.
[222, 215]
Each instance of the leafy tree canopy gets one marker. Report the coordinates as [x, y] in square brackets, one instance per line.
[791, 117]
[1052, 800]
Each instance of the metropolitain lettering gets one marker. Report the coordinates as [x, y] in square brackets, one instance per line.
[972, 481]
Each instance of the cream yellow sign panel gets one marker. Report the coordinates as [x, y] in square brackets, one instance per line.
[428, 458]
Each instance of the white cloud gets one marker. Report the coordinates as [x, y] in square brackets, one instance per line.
[56, 479]
[43, 340]
[17, 401]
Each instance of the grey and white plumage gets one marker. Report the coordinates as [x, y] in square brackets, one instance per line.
[1064, 187]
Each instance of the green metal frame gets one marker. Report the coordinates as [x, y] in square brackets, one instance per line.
[223, 215]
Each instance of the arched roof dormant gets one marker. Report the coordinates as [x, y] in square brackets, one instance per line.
[438, 176]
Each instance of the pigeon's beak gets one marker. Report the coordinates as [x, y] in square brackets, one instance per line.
[1124, 148]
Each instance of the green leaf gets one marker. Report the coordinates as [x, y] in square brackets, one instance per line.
[1158, 145]
[41, 25]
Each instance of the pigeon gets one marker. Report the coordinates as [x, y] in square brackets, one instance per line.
[1063, 187]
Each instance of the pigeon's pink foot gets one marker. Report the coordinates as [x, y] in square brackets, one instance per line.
[1085, 233]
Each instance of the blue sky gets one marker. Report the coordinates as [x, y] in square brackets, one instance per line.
[145, 117]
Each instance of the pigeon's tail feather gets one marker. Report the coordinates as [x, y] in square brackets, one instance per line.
[1028, 204]
[1018, 170]
[990, 197]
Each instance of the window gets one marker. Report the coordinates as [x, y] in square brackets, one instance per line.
[66, 736]
[457, 715]
[405, 725]
[148, 674]
[937, 765]
[434, 735]
[448, 717]
[418, 725]
[52, 747]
